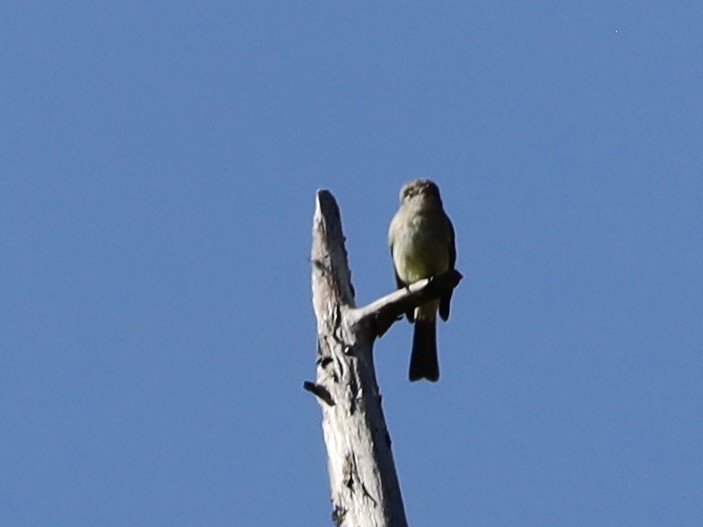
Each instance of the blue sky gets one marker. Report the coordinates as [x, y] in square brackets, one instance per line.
[158, 165]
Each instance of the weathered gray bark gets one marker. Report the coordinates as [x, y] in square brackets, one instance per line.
[363, 481]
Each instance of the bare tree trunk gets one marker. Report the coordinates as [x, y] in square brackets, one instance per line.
[363, 481]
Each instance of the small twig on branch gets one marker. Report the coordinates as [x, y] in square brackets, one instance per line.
[320, 391]
[382, 313]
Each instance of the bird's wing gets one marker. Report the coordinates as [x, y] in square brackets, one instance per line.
[446, 299]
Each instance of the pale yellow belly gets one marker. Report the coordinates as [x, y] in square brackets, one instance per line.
[417, 254]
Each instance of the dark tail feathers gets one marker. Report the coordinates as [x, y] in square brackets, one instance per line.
[423, 360]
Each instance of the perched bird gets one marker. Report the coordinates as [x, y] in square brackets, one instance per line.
[421, 238]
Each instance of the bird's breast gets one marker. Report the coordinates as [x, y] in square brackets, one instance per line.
[419, 248]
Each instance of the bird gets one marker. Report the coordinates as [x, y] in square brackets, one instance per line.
[422, 245]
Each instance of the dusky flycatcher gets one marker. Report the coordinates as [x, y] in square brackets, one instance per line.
[421, 238]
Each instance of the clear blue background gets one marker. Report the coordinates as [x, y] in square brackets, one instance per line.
[158, 164]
